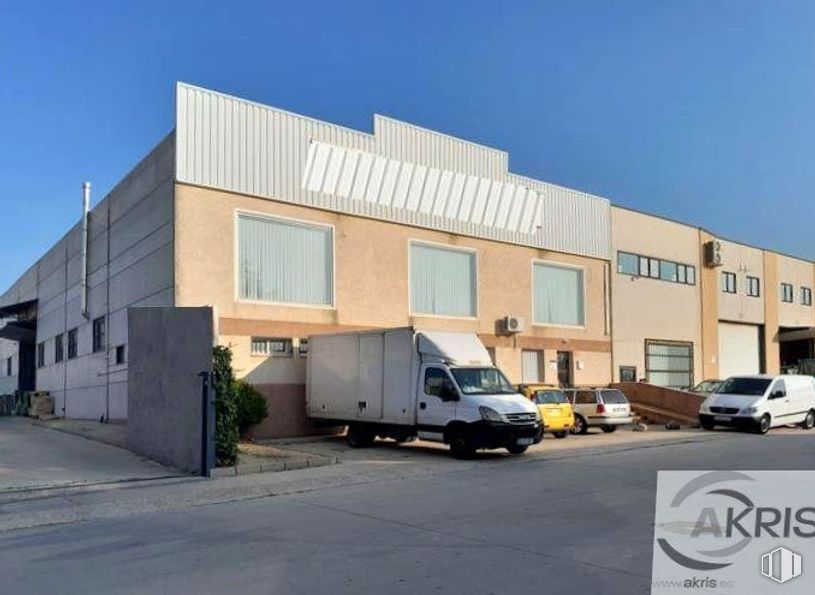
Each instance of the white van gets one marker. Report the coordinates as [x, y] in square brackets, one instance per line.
[403, 383]
[761, 402]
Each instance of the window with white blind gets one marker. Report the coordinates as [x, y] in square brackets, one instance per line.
[531, 366]
[669, 364]
[557, 295]
[282, 261]
[442, 281]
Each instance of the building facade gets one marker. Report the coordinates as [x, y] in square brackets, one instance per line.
[290, 227]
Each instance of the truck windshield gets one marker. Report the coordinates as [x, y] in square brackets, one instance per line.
[486, 381]
[753, 387]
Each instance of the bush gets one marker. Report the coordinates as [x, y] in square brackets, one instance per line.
[252, 408]
[226, 408]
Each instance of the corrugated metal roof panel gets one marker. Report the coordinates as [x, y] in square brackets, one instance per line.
[402, 173]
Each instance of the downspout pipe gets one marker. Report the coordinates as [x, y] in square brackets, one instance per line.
[83, 281]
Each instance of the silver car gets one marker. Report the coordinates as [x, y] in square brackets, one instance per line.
[606, 408]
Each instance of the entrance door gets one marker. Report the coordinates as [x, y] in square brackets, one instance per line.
[437, 403]
[564, 368]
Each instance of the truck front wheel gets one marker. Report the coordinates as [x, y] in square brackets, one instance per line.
[360, 436]
[461, 447]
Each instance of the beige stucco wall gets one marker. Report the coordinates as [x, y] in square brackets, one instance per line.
[645, 308]
[798, 273]
[371, 281]
[744, 261]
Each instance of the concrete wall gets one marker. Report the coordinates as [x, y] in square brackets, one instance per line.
[744, 261]
[130, 264]
[170, 348]
[8, 349]
[644, 308]
[798, 273]
[371, 279]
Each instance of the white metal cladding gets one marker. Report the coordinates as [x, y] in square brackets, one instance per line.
[240, 146]
[423, 191]
[412, 143]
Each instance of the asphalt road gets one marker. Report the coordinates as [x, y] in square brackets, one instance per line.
[579, 525]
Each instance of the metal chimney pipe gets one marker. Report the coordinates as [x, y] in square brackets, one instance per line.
[83, 281]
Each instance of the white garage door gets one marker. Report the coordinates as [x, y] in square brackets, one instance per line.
[738, 349]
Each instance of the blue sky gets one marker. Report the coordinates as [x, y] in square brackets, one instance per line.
[700, 110]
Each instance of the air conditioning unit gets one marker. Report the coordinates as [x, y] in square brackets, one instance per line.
[713, 254]
[513, 324]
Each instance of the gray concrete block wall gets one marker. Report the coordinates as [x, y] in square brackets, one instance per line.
[130, 263]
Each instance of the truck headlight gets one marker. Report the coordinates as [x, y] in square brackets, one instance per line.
[749, 410]
[489, 414]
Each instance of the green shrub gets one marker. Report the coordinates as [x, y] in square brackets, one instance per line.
[226, 408]
[252, 408]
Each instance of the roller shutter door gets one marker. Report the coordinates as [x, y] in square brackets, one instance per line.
[738, 349]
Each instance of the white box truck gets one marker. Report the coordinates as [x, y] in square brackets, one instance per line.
[403, 383]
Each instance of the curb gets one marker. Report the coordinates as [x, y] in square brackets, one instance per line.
[273, 467]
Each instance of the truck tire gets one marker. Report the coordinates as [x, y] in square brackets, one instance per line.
[517, 449]
[460, 446]
[809, 420]
[763, 425]
[360, 436]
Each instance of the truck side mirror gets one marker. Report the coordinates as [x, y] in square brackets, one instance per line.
[448, 392]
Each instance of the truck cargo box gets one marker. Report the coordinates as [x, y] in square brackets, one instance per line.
[366, 376]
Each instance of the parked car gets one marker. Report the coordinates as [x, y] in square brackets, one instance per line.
[706, 387]
[606, 408]
[403, 383]
[553, 405]
[761, 402]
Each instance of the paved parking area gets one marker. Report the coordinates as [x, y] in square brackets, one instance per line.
[34, 457]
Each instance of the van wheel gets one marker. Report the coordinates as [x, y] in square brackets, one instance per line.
[517, 449]
[359, 436]
[560, 434]
[763, 424]
[809, 420]
[580, 426]
[460, 447]
[609, 429]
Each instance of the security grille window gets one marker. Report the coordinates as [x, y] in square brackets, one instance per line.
[271, 347]
[558, 296]
[531, 366]
[58, 351]
[442, 281]
[302, 348]
[628, 374]
[120, 355]
[99, 334]
[283, 261]
[753, 287]
[72, 346]
[669, 364]
[728, 282]
[655, 268]
[786, 293]
[806, 296]
[40, 355]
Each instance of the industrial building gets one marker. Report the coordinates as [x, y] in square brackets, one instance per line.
[290, 227]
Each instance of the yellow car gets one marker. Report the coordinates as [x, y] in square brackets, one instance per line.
[553, 405]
